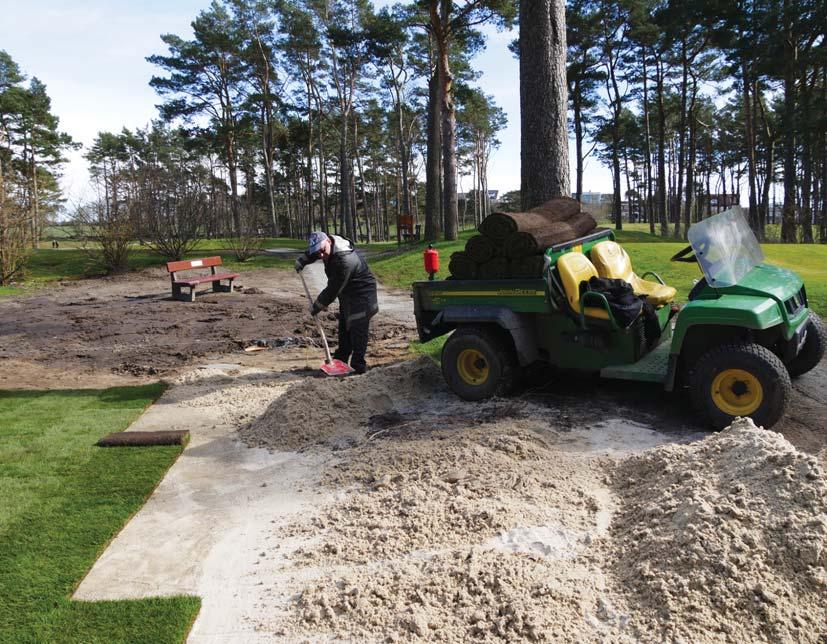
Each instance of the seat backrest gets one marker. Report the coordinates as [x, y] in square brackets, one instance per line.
[193, 264]
[611, 260]
[574, 268]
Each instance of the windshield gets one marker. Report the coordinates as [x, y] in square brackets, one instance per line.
[726, 247]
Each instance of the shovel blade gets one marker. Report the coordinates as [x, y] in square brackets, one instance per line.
[336, 368]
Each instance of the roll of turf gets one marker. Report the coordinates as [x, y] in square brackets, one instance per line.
[496, 268]
[462, 267]
[532, 241]
[558, 209]
[144, 439]
[527, 267]
[480, 248]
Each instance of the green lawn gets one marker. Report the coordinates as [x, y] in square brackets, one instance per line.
[70, 262]
[62, 501]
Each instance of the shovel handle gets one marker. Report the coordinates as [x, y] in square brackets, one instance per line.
[328, 358]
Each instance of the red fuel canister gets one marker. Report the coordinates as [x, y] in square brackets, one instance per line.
[431, 259]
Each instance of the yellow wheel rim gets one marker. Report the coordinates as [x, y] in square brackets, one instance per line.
[737, 392]
[472, 367]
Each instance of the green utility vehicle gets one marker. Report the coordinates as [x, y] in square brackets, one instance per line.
[745, 331]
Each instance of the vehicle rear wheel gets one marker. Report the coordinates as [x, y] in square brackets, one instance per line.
[478, 363]
[740, 380]
[813, 350]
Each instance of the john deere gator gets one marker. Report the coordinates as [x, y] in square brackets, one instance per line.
[745, 331]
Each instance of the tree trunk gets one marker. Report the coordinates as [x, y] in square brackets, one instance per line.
[232, 166]
[544, 152]
[788, 231]
[647, 147]
[450, 207]
[403, 149]
[681, 138]
[749, 132]
[578, 138]
[433, 193]
[345, 195]
[664, 226]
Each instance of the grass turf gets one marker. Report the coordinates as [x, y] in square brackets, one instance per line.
[62, 501]
[70, 262]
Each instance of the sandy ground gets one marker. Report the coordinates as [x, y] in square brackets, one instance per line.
[421, 517]
[382, 508]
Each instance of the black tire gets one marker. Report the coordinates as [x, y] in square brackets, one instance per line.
[813, 350]
[484, 352]
[736, 370]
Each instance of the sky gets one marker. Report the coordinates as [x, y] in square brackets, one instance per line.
[91, 56]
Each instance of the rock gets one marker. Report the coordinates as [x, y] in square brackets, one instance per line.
[382, 482]
[454, 475]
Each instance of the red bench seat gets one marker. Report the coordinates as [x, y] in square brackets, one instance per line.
[215, 278]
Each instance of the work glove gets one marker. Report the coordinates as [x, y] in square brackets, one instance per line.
[300, 263]
[316, 308]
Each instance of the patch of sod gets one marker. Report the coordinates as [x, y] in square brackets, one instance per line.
[63, 500]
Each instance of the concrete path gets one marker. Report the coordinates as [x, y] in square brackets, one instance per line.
[204, 529]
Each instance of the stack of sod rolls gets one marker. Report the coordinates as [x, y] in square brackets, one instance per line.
[511, 245]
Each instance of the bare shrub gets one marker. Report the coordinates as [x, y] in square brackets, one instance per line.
[109, 234]
[14, 234]
[249, 239]
[172, 207]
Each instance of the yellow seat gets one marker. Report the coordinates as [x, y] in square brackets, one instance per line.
[575, 268]
[612, 261]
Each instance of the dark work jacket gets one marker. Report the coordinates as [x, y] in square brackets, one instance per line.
[350, 280]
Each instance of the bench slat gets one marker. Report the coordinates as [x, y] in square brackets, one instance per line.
[207, 278]
[192, 264]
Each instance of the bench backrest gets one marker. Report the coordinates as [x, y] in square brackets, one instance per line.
[193, 264]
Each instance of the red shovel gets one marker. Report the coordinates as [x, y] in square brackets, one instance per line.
[331, 367]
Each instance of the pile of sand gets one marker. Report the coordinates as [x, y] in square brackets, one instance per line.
[724, 539]
[464, 595]
[453, 533]
[316, 410]
[455, 488]
[456, 521]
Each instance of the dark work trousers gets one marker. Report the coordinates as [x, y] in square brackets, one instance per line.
[353, 343]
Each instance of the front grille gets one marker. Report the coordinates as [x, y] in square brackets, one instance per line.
[796, 302]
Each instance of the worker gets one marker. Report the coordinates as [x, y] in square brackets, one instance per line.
[350, 280]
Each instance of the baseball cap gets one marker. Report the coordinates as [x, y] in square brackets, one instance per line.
[315, 241]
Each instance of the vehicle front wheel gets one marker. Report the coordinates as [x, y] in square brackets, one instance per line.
[734, 380]
[478, 363]
[813, 350]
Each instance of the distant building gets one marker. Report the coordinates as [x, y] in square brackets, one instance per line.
[718, 202]
[594, 198]
[492, 195]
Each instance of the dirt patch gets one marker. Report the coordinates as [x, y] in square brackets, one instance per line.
[129, 327]
[725, 539]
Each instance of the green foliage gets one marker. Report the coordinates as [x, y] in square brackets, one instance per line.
[63, 500]
[31, 151]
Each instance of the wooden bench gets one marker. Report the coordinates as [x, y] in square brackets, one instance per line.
[194, 264]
